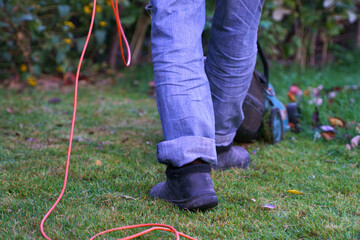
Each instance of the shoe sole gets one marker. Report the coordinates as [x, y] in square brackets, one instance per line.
[214, 167]
[201, 202]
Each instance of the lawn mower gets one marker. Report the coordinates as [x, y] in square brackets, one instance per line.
[265, 115]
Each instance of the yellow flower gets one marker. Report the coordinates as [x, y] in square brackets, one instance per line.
[31, 81]
[67, 40]
[102, 24]
[23, 67]
[69, 24]
[59, 69]
[98, 8]
[87, 9]
[108, 2]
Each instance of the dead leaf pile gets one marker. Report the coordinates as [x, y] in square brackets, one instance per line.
[330, 130]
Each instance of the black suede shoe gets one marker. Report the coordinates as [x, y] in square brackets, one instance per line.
[231, 157]
[188, 187]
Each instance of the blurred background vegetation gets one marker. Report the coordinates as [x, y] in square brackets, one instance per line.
[40, 37]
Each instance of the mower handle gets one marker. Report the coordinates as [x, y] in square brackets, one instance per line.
[263, 61]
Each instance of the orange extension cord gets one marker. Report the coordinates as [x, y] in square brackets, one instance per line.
[154, 226]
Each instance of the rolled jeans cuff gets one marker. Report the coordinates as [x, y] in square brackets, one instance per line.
[183, 150]
[224, 140]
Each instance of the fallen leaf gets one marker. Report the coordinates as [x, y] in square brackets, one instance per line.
[128, 197]
[291, 97]
[335, 121]
[327, 128]
[98, 163]
[295, 192]
[269, 206]
[54, 100]
[355, 141]
[328, 135]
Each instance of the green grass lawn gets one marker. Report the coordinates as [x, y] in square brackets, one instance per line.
[119, 127]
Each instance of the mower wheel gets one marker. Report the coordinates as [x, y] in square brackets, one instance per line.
[274, 133]
[293, 111]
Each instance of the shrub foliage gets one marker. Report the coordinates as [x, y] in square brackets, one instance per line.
[41, 36]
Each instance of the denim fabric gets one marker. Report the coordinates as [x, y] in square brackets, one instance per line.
[199, 108]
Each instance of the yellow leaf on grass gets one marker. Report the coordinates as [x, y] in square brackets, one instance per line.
[98, 163]
[295, 192]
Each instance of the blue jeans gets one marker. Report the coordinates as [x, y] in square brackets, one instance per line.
[200, 102]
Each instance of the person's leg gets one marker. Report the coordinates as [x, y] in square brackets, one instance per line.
[182, 89]
[184, 103]
[229, 67]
